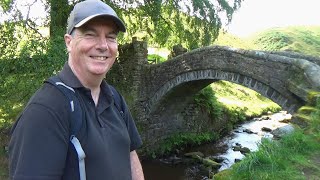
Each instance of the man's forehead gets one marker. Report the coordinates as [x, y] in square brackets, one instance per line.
[99, 22]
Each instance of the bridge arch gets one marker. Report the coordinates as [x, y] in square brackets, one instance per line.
[159, 91]
[284, 80]
[189, 83]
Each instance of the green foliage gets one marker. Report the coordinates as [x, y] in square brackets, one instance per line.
[180, 141]
[154, 58]
[315, 123]
[9, 40]
[6, 5]
[19, 41]
[59, 12]
[207, 100]
[21, 80]
[164, 23]
[240, 102]
[273, 41]
[300, 39]
[26, 60]
[226, 39]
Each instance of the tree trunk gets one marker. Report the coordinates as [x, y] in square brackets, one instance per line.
[59, 12]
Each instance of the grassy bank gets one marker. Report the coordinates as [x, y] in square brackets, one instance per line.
[295, 156]
[242, 101]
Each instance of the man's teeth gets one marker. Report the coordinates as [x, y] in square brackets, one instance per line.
[101, 58]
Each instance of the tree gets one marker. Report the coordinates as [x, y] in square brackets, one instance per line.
[193, 23]
[59, 11]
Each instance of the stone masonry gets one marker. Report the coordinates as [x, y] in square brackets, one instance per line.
[159, 94]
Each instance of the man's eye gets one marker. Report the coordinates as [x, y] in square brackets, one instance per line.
[89, 34]
[112, 38]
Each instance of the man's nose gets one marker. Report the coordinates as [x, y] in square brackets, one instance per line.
[103, 43]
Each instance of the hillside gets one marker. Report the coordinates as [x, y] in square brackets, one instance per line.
[227, 39]
[300, 39]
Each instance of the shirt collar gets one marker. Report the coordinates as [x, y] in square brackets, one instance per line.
[68, 77]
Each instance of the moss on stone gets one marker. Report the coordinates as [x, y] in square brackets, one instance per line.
[306, 110]
[313, 97]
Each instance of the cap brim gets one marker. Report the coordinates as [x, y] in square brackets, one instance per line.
[117, 21]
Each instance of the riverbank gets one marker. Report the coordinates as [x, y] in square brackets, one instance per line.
[201, 161]
[294, 156]
[221, 106]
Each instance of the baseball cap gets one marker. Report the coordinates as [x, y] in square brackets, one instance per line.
[89, 9]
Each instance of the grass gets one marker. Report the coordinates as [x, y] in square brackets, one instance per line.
[226, 39]
[301, 39]
[294, 156]
[236, 97]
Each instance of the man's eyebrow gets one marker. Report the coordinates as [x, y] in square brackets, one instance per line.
[87, 28]
[114, 32]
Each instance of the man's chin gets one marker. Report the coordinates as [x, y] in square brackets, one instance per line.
[100, 72]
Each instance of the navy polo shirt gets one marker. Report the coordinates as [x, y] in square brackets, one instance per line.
[39, 145]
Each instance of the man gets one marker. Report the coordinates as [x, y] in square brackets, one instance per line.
[39, 145]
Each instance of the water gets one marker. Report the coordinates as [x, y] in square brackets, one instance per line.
[248, 140]
[157, 170]
[247, 135]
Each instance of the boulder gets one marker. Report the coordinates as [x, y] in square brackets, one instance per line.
[211, 163]
[243, 150]
[266, 129]
[279, 132]
[194, 155]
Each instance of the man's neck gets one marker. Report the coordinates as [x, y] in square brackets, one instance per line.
[94, 86]
[91, 82]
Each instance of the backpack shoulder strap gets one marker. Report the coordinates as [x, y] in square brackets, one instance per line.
[75, 107]
[117, 99]
[76, 119]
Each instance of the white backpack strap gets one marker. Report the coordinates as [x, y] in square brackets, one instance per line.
[81, 155]
[69, 92]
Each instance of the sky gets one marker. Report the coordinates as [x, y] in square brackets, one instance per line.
[256, 15]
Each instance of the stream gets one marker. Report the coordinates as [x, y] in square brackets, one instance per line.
[225, 151]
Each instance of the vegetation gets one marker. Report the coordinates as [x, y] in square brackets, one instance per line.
[240, 102]
[160, 21]
[181, 141]
[226, 39]
[28, 56]
[294, 39]
[207, 100]
[155, 58]
[295, 156]
[26, 61]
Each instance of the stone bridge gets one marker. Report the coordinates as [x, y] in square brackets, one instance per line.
[158, 94]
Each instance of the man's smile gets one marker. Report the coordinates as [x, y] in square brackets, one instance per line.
[100, 58]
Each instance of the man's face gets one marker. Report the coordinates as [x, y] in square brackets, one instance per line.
[93, 47]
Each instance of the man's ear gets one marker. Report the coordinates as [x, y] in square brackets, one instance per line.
[68, 41]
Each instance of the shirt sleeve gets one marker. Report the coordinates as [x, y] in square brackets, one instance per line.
[38, 145]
